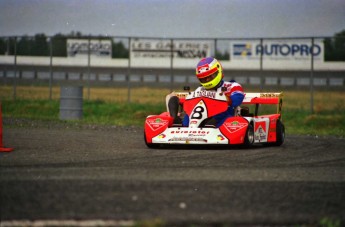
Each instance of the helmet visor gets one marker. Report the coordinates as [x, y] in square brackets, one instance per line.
[208, 78]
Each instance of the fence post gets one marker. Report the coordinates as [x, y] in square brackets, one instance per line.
[88, 67]
[261, 65]
[51, 68]
[129, 71]
[312, 77]
[171, 64]
[15, 70]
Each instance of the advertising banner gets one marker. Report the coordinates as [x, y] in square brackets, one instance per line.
[291, 53]
[153, 52]
[98, 48]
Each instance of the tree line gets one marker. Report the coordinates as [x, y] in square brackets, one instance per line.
[39, 45]
[42, 45]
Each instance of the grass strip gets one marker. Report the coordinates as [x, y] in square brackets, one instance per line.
[109, 106]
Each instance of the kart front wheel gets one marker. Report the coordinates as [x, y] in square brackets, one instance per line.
[149, 145]
[249, 138]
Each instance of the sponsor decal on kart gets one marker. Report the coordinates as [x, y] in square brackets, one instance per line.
[157, 123]
[234, 126]
[191, 136]
[260, 133]
[205, 93]
[193, 122]
[181, 95]
[190, 132]
[270, 95]
[188, 139]
[220, 137]
[161, 136]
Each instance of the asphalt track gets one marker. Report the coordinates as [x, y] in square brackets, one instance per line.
[64, 173]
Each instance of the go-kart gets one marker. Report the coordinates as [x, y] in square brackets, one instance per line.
[245, 128]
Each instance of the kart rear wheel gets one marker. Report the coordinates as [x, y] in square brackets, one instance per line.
[280, 133]
[249, 138]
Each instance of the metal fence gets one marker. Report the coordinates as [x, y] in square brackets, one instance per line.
[315, 62]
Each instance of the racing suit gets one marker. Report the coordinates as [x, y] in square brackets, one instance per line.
[235, 96]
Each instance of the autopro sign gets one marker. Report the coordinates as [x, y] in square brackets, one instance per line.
[291, 51]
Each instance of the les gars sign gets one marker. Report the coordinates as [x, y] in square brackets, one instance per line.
[153, 48]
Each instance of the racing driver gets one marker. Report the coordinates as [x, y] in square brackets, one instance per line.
[209, 71]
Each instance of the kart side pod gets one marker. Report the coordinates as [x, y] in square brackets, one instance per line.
[235, 129]
[156, 124]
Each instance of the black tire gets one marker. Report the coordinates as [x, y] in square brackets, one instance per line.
[149, 145]
[249, 138]
[280, 133]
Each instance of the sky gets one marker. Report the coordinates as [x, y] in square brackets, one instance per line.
[174, 18]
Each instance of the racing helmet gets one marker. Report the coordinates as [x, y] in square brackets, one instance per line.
[209, 71]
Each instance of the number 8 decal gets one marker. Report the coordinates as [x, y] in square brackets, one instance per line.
[198, 111]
